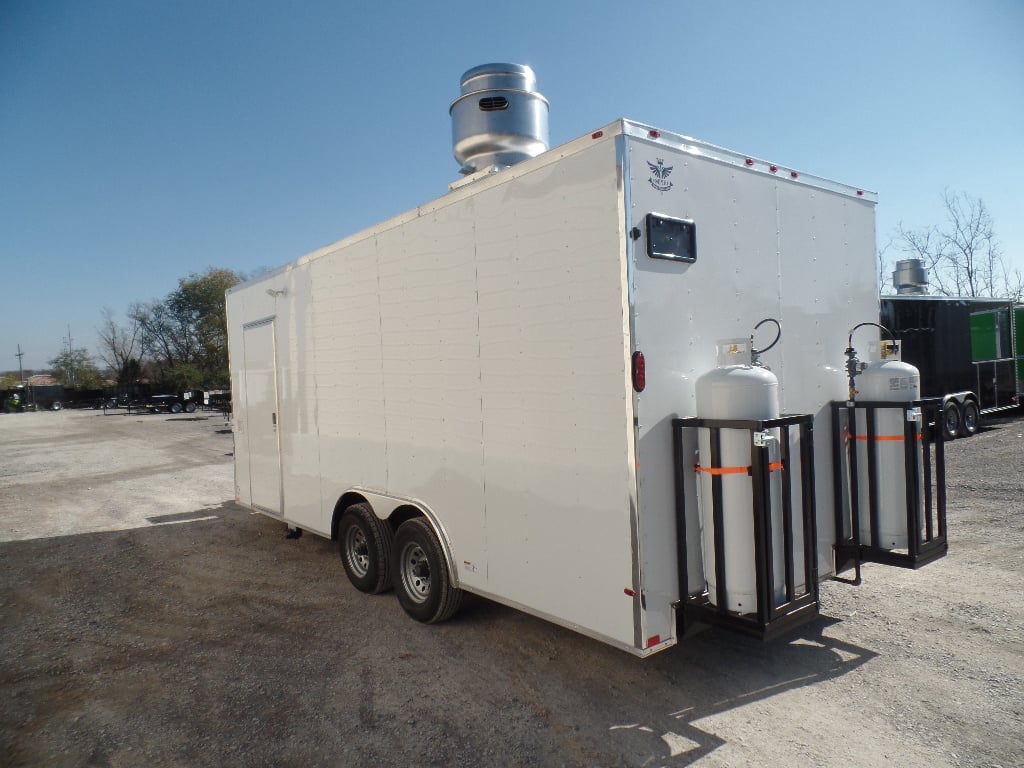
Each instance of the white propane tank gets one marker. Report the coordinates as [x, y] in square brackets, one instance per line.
[737, 390]
[885, 379]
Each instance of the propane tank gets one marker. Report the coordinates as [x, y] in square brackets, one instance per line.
[885, 378]
[737, 389]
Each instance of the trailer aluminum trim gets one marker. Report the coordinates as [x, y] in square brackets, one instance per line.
[700, 148]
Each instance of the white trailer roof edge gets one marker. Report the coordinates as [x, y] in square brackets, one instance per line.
[619, 127]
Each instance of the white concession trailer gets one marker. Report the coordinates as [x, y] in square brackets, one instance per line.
[497, 392]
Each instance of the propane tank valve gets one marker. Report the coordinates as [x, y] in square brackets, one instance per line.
[853, 367]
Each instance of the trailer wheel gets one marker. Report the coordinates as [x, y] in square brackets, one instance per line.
[423, 584]
[951, 421]
[175, 408]
[364, 543]
[190, 407]
[969, 422]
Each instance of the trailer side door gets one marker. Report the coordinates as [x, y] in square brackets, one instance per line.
[262, 416]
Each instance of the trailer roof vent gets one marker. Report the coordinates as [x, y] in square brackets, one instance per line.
[910, 277]
[500, 119]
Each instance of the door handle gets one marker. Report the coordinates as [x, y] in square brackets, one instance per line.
[273, 419]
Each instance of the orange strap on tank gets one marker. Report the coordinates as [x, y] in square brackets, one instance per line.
[733, 470]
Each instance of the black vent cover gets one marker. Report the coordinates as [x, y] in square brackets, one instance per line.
[493, 103]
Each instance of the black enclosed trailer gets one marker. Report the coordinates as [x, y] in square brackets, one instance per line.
[967, 349]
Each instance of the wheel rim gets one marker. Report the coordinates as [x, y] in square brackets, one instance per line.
[357, 551]
[952, 422]
[415, 572]
[970, 419]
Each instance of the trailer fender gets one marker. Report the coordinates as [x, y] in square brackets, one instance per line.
[396, 510]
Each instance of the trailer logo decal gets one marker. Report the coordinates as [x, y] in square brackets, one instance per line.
[659, 178]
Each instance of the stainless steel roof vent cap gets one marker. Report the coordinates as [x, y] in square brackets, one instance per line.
[500, 119]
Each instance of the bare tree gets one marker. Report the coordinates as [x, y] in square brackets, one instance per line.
[119, 345]
[962, 256]
[886, 266]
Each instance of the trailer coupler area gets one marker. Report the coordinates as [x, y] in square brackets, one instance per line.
[757, 522]
[889, 484]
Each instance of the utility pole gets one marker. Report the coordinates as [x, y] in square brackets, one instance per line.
[21, 371]
[71, 360]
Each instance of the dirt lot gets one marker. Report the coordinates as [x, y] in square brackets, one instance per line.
[145, 620]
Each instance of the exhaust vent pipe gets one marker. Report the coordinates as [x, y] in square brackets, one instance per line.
[910, 277]
[500, 119]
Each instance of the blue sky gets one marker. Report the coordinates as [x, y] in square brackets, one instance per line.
[142, 141]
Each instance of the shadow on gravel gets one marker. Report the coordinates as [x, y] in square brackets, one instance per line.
[208, 639]
[748, 671]
[658, 709]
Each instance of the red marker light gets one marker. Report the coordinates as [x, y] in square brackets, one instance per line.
[629, 592]
[860, 193]
[653, 640]
[597, 134]
[773, 168]
[748, 161]
[793, 174]
[639, 371]
[654, 134]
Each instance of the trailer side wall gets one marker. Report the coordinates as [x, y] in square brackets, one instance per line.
[473, 359]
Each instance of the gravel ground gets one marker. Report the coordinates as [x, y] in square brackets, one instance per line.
[145, 620]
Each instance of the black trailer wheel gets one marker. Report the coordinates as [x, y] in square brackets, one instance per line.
[190, 407]
[969, 420]
[365, 543]
[951, 421]
[423, 583]
[175, 408]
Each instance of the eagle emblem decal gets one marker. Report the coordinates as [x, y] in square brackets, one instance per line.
[659, 175]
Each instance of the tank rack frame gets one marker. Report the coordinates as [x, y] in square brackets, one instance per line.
[925, 468]
[768, 620]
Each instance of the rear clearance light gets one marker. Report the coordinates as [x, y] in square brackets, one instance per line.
[597, 134]
[639, 371]
[654, 134]
[793, 174]
[653, 640]
[748, 161]
[773, 168]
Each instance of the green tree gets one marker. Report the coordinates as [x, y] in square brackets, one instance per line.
[189, 327]
[75, 368]
[129, 372]
[182, 376]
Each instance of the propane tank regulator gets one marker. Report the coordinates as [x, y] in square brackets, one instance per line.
[855, 366]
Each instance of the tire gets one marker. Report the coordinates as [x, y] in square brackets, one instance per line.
[951, 421]
[175, 408]
[364, 544]
[970, 417]
[422, 581]
[190, 407]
